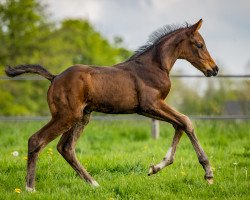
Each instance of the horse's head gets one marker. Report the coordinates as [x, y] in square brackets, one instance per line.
[194, 50]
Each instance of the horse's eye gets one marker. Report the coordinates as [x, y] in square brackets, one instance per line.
[199, 45]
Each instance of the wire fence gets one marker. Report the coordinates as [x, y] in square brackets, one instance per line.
[126, 117]
[38, 78]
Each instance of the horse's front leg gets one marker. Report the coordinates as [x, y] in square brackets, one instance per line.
[160, 110]
[169, 157]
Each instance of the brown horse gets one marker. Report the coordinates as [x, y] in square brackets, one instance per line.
[138, 85]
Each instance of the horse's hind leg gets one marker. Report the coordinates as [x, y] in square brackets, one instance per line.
[66, 148]
[37, 142]
[169, 157]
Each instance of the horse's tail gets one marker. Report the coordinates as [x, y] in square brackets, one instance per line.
[37, 69]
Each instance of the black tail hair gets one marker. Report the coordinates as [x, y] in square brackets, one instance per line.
[37, 69]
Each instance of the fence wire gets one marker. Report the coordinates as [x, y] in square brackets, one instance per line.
[39, 78]
[126, 117]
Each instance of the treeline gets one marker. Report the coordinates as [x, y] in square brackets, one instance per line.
[27, 35]
[211, 96]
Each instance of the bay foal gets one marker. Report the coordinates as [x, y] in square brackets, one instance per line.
[138, 85]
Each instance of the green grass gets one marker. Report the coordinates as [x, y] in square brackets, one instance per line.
[118, 154]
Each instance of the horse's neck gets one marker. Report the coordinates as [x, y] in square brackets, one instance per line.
[163, 59]
[169, 54]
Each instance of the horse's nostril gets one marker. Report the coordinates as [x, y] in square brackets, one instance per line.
[210, 73]
[215, 72]
[216, 68]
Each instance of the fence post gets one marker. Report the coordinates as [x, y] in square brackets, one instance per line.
[155, 129]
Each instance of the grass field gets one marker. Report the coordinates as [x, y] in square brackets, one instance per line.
[118, 154]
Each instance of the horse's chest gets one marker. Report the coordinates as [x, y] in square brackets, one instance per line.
[162, 85]
[165, 89]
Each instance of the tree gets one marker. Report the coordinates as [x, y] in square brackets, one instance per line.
[23, 23]
[27, 36]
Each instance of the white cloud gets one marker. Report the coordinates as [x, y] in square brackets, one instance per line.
[74, 8]
[226, 27]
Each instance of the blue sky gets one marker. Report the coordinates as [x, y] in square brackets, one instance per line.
[226, 26]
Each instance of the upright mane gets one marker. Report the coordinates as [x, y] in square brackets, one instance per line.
[156, 37]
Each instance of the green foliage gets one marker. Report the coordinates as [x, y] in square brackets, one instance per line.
[27, 36]
[76, 41]
[118, 156]
[22, 25]
[211, 100]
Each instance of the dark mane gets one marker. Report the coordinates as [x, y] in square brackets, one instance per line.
[156, 37]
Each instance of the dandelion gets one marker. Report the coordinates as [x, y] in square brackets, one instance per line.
[245, 168]
[25, 158]
[183, 173]
[18, 190]
[235, 169]
[15, 153]
[50, 151]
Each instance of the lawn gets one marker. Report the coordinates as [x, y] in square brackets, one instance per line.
[118, 154]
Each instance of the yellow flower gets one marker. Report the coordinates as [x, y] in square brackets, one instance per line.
[183, 173]
[18, 190]
[25, 158]
[50, 151]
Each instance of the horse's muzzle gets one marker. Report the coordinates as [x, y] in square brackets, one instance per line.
[212, 72]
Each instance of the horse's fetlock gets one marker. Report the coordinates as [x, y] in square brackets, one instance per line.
[171, 161]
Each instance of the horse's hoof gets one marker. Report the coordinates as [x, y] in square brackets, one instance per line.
[210, 181]
[151, 170]
[29, 189]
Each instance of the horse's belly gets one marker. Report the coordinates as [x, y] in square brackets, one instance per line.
[113, 96]
[114, 102]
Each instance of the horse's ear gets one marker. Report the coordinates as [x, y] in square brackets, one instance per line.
[194, 28]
